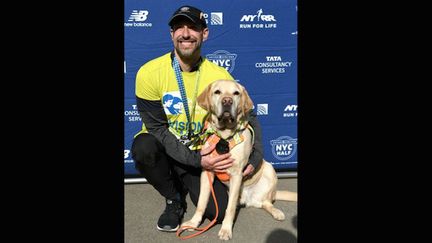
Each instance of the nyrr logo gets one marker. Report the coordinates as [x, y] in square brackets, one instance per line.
[290, 108]
[283, 148]
[262, 109]
[223, 59]
[259, 21]
[258, 17]
[290, 111]
[137, 18]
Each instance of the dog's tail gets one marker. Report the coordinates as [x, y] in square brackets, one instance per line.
[286, 196]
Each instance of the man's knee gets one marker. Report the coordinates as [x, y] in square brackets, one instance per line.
[145, 147]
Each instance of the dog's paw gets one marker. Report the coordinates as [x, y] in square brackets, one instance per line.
[277, 214]
[190, 225]
[225, 234]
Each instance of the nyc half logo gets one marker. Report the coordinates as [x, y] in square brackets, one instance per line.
[172, 103]
[283, 148]
[224, 59]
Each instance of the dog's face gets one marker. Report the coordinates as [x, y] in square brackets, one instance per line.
[227, 101]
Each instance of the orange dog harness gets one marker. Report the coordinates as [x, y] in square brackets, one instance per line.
[214, 139]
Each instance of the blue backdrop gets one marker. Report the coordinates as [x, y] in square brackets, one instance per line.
[256, 41]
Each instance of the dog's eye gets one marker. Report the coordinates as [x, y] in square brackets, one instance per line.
[217, 92]
[236, 93]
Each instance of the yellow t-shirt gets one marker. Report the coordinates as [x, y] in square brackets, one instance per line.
[156, 80]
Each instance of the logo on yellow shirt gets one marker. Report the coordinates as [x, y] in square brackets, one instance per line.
[172, 103]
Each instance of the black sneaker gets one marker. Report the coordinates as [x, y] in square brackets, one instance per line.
[171, 217]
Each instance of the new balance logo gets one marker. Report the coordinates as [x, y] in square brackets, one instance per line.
[138, 16]
[126, 153]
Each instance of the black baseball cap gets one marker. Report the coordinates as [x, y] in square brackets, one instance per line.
[192, 13]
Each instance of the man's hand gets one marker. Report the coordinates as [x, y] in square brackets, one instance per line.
[217, 163]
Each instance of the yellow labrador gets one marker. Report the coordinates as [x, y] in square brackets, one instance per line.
[228, 104]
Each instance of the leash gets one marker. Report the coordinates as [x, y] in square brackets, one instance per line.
[204, 229]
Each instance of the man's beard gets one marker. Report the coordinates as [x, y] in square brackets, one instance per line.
[189, 53]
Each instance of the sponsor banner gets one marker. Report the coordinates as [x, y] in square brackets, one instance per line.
[254, 40]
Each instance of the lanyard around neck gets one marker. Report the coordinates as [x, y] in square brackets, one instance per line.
[182, 90]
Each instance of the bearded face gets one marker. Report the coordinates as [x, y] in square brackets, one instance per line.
[188, 38]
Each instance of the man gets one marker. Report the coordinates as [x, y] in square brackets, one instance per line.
[167, 149]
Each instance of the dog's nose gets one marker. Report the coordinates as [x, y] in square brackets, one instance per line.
[227, 101]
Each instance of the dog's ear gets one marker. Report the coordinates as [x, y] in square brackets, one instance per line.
[246, 103]
[203, 99]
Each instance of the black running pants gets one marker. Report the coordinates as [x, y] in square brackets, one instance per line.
[159, 170]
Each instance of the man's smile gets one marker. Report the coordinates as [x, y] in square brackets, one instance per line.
[186, 43]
